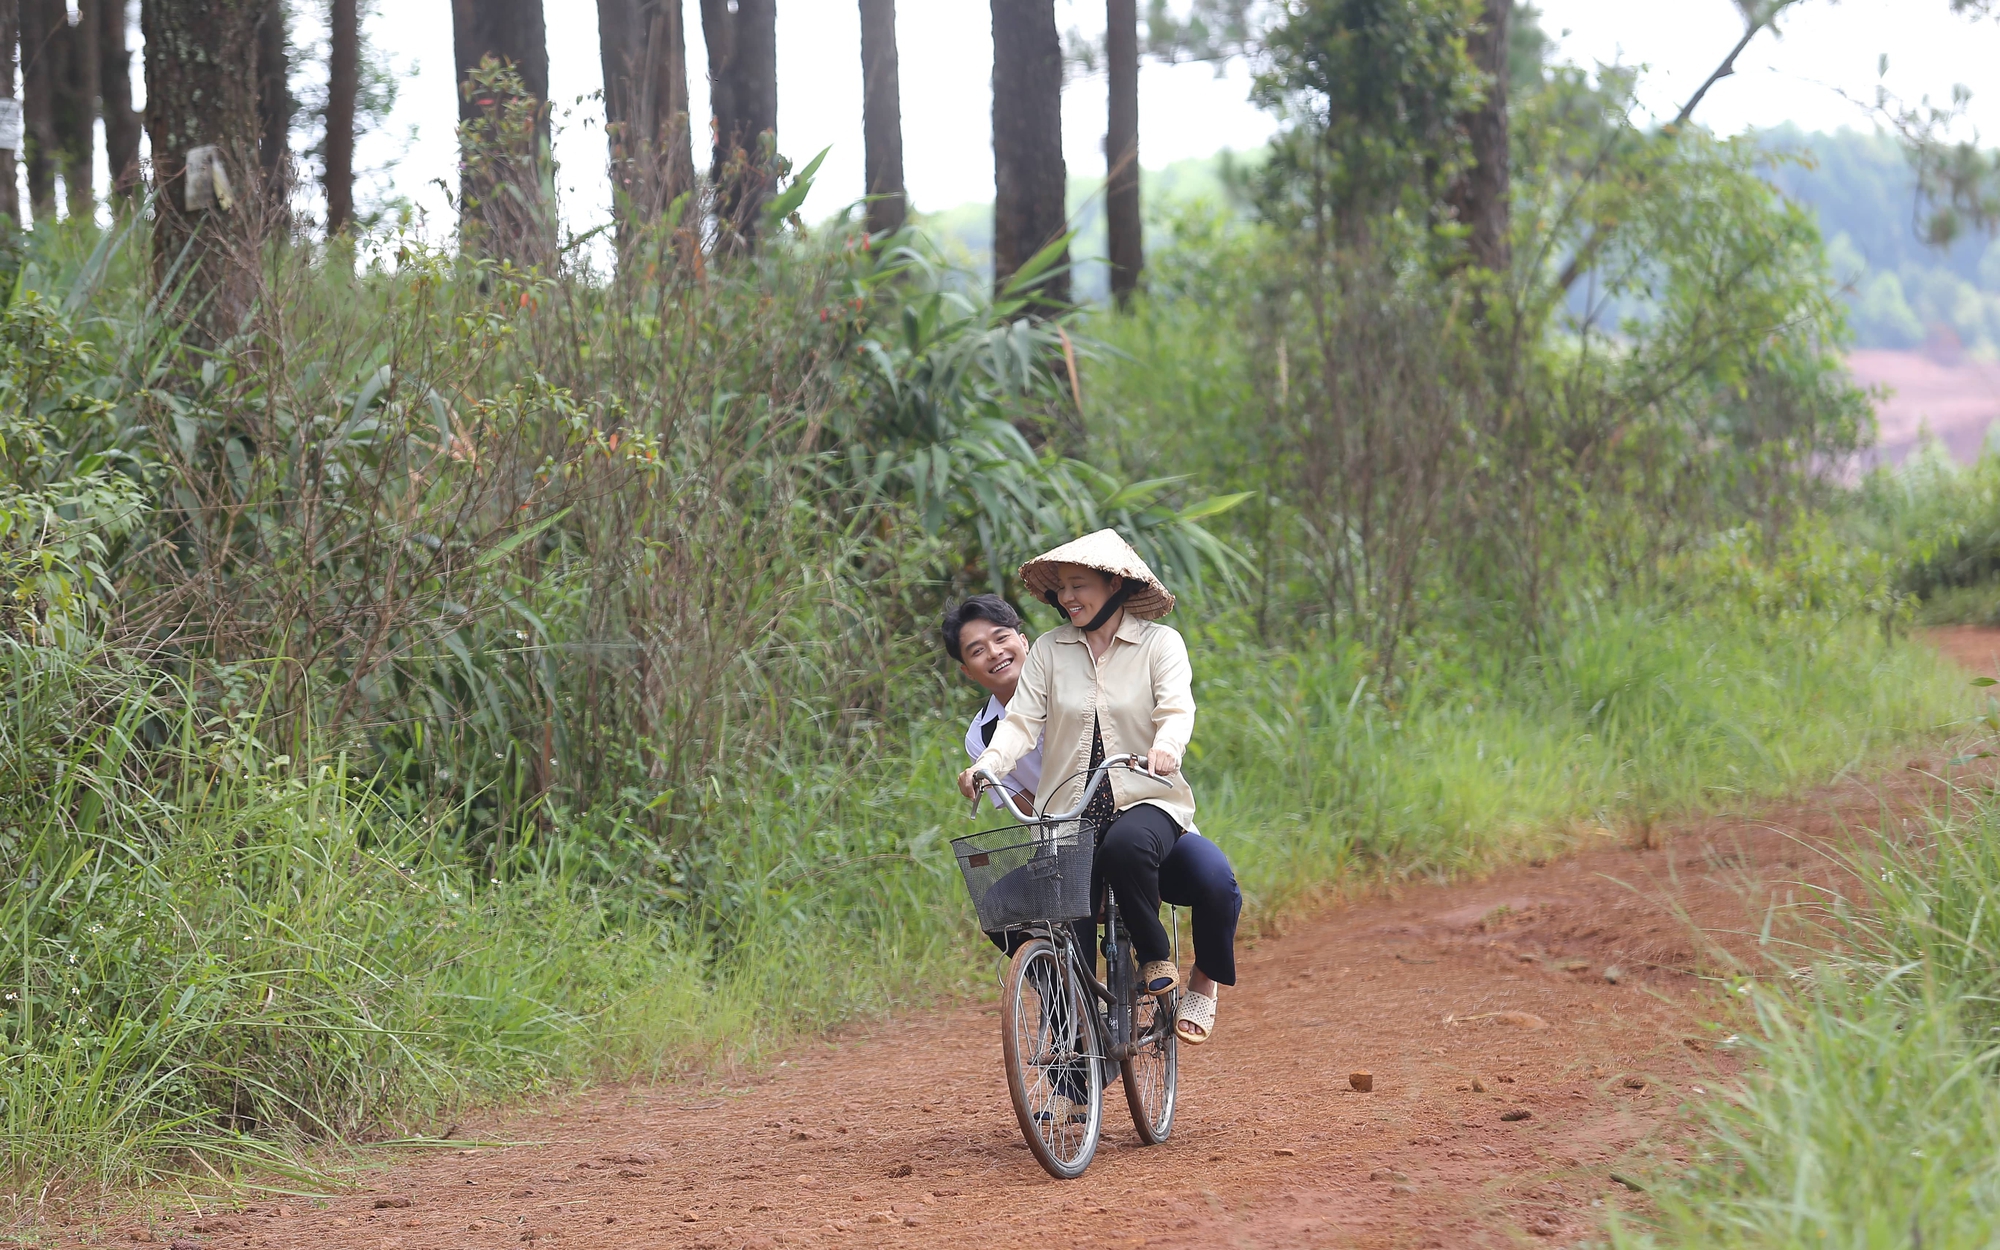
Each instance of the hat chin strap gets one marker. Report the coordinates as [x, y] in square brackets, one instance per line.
[1105, 613]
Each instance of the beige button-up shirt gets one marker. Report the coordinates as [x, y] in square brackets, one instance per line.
[1140, 695]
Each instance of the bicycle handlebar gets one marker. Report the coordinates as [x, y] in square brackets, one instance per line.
[1102, 774]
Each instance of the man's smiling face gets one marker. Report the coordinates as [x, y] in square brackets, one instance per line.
[992, 656]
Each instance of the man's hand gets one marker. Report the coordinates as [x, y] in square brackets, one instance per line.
[1163, 761]
[968, 784]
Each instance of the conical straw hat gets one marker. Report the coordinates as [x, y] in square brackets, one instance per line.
[1106, 552]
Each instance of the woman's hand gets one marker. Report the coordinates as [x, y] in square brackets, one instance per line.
[968, 784]
[1163, 761]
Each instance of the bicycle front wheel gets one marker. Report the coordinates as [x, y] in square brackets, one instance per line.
[1053, 1072]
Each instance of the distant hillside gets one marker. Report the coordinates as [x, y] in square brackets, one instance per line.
[1904, 293]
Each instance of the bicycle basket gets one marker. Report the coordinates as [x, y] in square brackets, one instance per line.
[1026, 873]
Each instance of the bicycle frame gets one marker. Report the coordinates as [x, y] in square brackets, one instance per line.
[1114, 1007]
[1111, 1018]
[1111, 1022]
[1098, 777]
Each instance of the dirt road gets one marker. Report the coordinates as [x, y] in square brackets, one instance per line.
[1567, 992]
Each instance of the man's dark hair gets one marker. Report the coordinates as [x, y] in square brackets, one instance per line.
[978, 608]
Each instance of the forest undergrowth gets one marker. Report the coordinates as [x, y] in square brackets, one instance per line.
[458, 682]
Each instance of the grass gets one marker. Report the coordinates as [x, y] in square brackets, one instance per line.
[1869, 1116]
[1631, 716]
[260, 956]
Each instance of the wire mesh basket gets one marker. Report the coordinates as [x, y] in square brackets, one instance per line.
[1022, 874]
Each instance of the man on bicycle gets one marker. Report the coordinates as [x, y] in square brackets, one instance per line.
[985, 637]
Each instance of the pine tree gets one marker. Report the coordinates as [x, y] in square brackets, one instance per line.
[275, 105]
[643, 47]
[201, 92]
[1029, 176]
[1123, 226]
[742, 38]
[41, 152]
[506, 196]
[1480, 195]
[343, 87]
[74, 65]
[122, 124]
[882, 117]
[10, 34]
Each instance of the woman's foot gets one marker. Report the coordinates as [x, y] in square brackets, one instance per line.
[1195, 1022]
[1062, 1110]
[1159, 978]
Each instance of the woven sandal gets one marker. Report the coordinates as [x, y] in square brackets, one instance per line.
[1159, 978]
[1196, 1019]
[1062, 1110]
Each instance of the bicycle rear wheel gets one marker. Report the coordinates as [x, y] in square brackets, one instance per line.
[1152, 1071]
[1050, 1049]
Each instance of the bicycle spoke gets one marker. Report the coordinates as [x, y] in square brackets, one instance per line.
[1053, 1068]
[1150, 1071]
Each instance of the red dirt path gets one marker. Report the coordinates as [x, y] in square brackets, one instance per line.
[904, 1137]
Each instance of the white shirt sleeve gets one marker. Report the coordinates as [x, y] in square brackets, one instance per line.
[1027, 774]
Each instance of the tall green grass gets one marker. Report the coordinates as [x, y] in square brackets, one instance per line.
[1870, 1113]
[1309, 774]
[232, 955]
[260, 956]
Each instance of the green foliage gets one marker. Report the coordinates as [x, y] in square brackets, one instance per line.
[1375, 89]
[1816, 575]
[1902, 288]
[219, 953]
[1867, 1122]
[62, 510]
[213, 956]
[1411, 472]
[1939, 521]
[1313, 773]
[951, 384]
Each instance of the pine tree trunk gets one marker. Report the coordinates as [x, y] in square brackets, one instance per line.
[1030, 179]
[274, 102]
[75, 65]
[38, 102]
[643, 47]
[10, 34]
[882, 117]
[1124, 229]
[201, 89]
[506, 194]
[121, 123]
[343, 85]
[1481, 194]
[743, 88]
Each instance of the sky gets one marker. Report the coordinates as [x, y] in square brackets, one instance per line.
[946, 58]
[1819, 72]
[1824, 49]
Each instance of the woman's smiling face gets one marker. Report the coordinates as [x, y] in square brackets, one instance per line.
[1082, 591]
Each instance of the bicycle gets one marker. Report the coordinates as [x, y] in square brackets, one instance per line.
[1060, 1027]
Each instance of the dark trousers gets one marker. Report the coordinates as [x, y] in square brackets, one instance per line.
[1147, 860]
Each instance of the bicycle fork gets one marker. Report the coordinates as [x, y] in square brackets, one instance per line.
[1118, 987]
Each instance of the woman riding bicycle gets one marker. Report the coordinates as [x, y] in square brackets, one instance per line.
[1112, 681]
